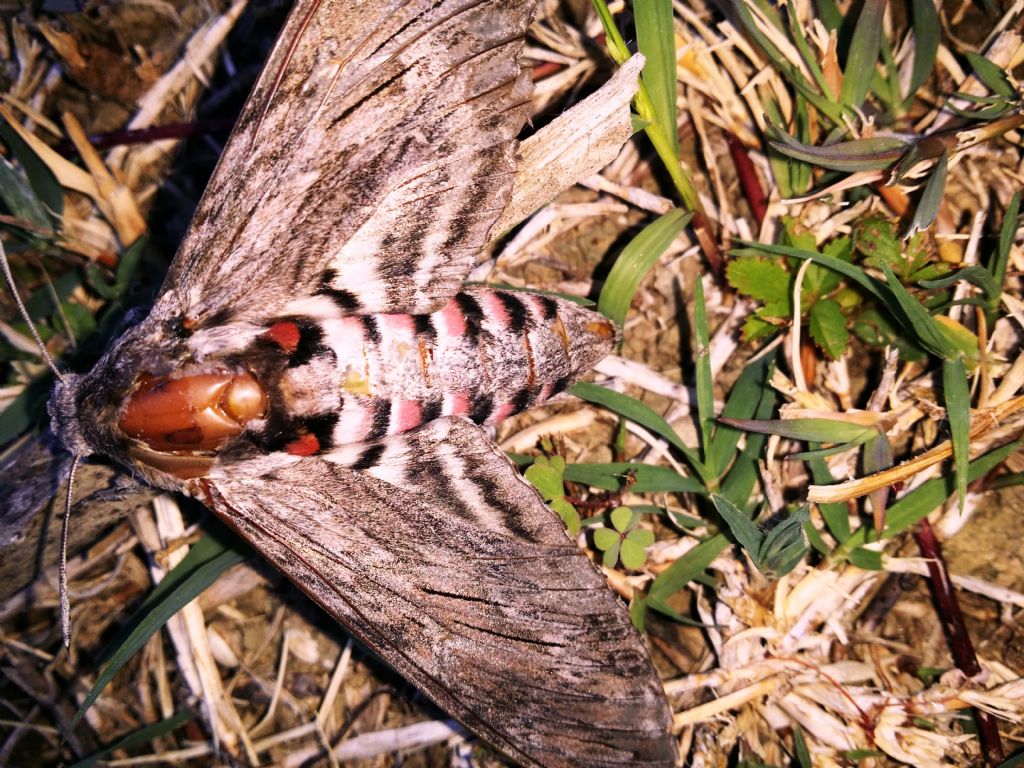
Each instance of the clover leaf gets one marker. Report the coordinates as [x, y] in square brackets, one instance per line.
[624, 542]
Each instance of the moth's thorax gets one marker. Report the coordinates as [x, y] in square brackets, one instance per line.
[64, 415]
[199, 412]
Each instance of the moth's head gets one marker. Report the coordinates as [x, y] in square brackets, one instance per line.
[64, 415]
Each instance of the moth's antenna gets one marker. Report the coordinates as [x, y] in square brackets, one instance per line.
[62, 562]
[24, 314]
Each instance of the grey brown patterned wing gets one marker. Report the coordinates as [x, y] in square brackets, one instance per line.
[457, 575]
[369, 165]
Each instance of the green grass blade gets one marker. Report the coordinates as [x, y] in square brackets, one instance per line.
[926, 44]
[655, 38]
[993, 76]
[810, 430]
[617, 48]
[743, 529]
[743, 475]
[805, 88]
[705, 387]
[647, 478]
[635, 261]
[957, 395]
[142, 735]
[924, 327]
[931, 198]
[45, 185]
[20, 199]
[836, 516]
[639, 413]
[997, 266]
[206, 560]
[687, 568]
[863, 56]
[920, 502]
[742, 403]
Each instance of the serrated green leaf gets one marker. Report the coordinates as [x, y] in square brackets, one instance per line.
[763, 280]
[635, 261]
[756, 328]
[828, 328]
[851, 271]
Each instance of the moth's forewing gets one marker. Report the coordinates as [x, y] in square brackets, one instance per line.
[365, 174]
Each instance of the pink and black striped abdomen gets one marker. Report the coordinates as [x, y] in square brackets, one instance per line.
[486, 355]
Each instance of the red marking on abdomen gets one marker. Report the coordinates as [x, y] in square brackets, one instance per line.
[494, 307]
[285, 334]
[545, 392]
[406, 415]
[307, 445]
[450, 321]
[401, 324]
[455, 404]
[501, 412]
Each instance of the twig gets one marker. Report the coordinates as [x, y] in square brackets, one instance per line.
[959, 639]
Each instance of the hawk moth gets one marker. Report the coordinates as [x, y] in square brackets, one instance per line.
[314, 373]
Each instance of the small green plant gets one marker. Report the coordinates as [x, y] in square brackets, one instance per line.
[624, 542]
[547, 475]
[777, 549]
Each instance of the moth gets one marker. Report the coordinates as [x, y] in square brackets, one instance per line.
[313, 372]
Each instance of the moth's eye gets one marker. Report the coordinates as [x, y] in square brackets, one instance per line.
[181, 327]
[192, 413]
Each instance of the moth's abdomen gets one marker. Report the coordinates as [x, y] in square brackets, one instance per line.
[201, 412]
[486, 355]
